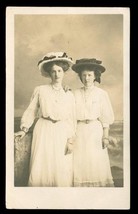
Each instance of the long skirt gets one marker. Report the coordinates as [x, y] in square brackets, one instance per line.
[49, 166]
[91, 161]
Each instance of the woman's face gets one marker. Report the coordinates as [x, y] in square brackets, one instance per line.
[56, 74]
[87, 78]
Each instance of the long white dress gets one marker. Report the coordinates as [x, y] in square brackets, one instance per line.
[91, 161]
[49, 166]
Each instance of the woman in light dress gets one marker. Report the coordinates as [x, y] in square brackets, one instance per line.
[94, 115]
[51, 151]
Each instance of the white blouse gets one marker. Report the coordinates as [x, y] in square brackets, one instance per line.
[49, 102]
[93, 104]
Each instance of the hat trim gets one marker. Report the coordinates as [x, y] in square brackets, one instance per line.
[52, 56]
[76, 67]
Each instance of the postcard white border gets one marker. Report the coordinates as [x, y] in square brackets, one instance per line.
[64, 198]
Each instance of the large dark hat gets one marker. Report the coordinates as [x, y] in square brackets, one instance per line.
[92, 64]
[53, 57]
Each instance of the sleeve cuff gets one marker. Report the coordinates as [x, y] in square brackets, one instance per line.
[24, 129]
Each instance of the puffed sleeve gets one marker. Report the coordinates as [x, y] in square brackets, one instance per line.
[31, 111]
[106, 111]
[72, 118]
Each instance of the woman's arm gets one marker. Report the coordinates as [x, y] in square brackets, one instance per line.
[72, 121]
[29, 115]
[105, 139]
[106, 118]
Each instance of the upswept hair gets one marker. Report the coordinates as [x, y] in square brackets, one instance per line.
[64, 65]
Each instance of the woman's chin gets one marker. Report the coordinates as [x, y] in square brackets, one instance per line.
[57, 81]
[88, 85]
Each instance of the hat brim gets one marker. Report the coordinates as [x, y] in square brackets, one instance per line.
[92, 67]
[45, 72]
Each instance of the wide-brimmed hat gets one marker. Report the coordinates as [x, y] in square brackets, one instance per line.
[53, 57]
[92, 64]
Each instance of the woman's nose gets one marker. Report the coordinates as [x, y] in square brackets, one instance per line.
[56, 73]
[87, 77]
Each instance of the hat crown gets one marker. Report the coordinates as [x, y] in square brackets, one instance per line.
[54, 55]
[92, 64]
[88, 61]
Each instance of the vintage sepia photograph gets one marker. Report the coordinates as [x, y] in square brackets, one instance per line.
[67, 105]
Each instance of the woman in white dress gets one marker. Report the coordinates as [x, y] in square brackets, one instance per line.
[51, 158]
[94, 115]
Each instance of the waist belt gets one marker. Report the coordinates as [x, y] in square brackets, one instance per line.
[50, 119]
[86, 121]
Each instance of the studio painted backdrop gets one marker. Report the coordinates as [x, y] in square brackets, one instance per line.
[97, 36]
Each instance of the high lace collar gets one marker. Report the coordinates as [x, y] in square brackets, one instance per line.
[89, 88]
[57, 88]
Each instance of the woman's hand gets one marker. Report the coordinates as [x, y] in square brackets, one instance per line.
[69, 146]
[19, 135]
[105, 142]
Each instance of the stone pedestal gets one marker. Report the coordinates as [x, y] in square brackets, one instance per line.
[22, 151]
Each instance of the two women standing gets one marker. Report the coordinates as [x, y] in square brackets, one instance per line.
[51, 163]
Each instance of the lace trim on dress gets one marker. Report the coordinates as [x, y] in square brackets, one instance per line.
[108, 183]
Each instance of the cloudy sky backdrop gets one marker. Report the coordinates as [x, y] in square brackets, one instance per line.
[95, 36]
